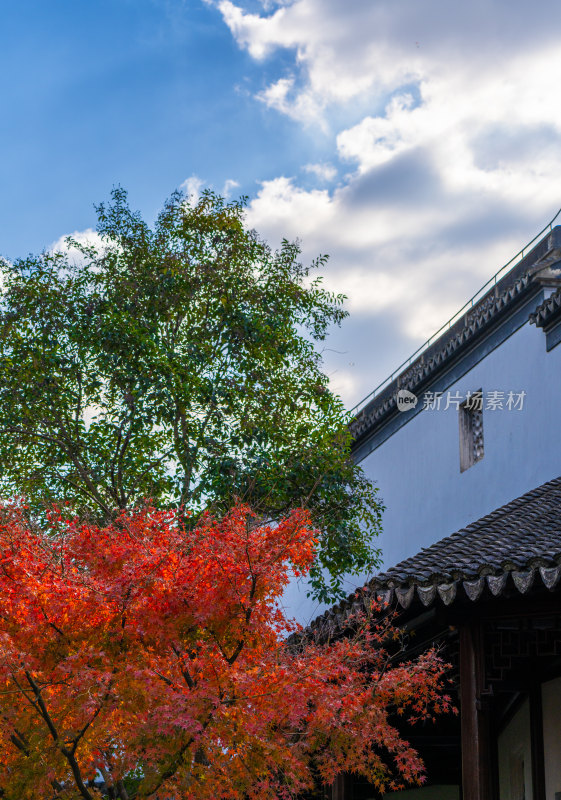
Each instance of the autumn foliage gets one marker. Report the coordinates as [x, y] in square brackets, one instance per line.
[152, 657]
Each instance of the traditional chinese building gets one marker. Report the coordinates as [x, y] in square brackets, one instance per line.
[464, 442]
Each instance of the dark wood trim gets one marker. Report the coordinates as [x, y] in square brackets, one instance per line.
[536, 735]
[538, 602]
[476, 762]
[494, 755]
[341, 788]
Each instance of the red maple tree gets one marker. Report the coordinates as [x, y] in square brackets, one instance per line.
[150, 659]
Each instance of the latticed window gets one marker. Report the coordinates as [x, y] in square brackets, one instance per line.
[471, 430]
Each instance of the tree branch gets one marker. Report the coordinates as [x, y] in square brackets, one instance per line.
[68, 754]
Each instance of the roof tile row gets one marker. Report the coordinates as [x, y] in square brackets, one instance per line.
[548, 311]
[517, 546]
[474, 323]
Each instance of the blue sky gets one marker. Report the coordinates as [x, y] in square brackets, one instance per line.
[138, 93]
[418, 142]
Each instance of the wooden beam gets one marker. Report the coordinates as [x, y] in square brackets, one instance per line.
[476, 762]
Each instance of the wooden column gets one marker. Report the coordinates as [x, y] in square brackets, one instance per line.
[536, 733]
[341, 789]
[476, 766]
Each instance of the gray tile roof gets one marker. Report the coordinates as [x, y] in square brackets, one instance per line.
[464, 332]
[548, 311]
[517, 546]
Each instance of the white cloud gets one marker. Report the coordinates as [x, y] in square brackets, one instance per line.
[228, 188]
[302, 106]
[192, 187]
[342, 50]
[88, 237]
[369, 262]
[280, 204]
[344, 383]
[259, 35]
[338, 53]
[405, 267]
[323, 172]
[444, 117]
[376, 140]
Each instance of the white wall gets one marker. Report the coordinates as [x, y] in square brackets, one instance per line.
[417, 468]
[515, 757]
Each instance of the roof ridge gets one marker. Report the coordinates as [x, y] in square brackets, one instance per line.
[483, 312]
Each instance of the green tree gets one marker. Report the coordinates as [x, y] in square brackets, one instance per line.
[178, 364]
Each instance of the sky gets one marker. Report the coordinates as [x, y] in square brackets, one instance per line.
[417, 142]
